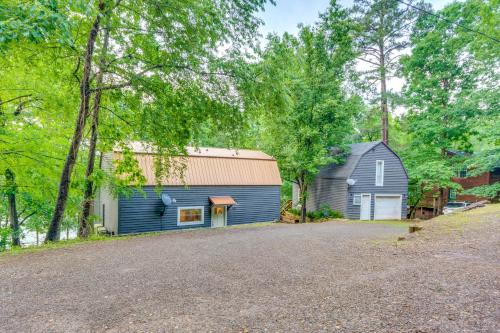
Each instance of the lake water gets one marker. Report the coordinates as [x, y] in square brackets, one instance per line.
[29, 237]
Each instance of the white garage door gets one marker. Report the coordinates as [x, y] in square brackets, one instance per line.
[387, 207]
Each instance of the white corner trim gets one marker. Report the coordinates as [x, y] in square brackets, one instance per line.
[180, 224]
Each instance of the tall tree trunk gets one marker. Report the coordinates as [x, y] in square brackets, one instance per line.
[62, 195]
[11, 198]
[383, 94]
[85, 226]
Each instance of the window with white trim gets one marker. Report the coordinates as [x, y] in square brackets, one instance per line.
[190, 215]
[356, 200]
[379, 173]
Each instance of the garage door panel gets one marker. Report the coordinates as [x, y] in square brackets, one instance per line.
[387, 207]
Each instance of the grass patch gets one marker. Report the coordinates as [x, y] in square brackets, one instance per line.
[54, 245]
[452, 225]
[103, 238]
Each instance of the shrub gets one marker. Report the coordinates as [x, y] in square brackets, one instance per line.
[311, 215]
[5, 234]
[323, 212]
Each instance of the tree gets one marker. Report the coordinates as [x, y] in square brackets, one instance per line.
[487, 191]
[11, 190]
[304, 108]
[443, 80]
[427, 173]
[384, 28]
[34, 21]
[84, 225]
[164, 51]
[35, 108]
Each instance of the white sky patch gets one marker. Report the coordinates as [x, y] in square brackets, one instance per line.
[288, 14]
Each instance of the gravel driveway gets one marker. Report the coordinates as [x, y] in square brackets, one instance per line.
[345, 277]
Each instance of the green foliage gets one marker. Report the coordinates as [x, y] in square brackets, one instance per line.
[486, 191]
[5, 236]
[304, 109]
[35, 121]
[34, 21]
[179, 88]
[324, 212]
[286, 191]
[452, 100]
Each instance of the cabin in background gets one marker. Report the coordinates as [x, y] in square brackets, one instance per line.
[429, 205]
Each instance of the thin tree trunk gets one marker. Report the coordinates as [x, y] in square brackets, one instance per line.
[37, 238]
[62, 195]
[85, 226]
[383, 95]
[11, 198]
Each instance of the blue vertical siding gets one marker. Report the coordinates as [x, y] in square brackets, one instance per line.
[141, 211]
[395, 179]
[327, 191]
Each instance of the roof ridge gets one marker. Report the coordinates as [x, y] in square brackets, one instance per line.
[140, 147]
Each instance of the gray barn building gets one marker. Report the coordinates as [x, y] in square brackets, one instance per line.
[219, 187]
[372, 184]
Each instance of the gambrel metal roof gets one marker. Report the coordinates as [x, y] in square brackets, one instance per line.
[210, 166]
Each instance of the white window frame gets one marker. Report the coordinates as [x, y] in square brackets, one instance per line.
[180, 224]
[354, 197]
[382, 163]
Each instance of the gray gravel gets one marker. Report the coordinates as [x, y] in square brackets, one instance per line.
[328, 277]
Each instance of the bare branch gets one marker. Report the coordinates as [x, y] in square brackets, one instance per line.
[27, 217]
[15, 98]
[370, 62]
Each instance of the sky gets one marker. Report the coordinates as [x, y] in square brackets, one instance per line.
[287, 14]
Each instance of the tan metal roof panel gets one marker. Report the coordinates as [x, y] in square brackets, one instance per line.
[210, 170]
[229, 153]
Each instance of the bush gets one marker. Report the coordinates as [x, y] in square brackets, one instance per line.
[323, 212]
[5, 234]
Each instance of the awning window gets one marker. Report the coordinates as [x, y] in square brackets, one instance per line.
[222, 201]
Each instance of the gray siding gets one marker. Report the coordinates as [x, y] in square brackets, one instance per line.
[395, 179]
[141, 212]
[329, 191]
